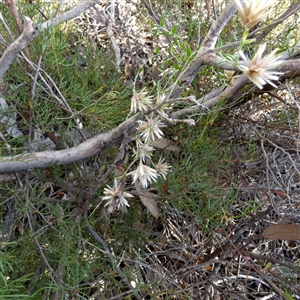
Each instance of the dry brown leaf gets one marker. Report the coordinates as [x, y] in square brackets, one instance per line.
[167, 145]
[147, 199]
[289, 232]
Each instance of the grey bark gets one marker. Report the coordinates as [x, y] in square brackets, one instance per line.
[87, 149]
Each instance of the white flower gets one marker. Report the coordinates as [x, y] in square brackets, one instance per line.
[144, 174]
[162, 168]
[140, 101]
[115, 197]
[160, 99]
[150, 129]
[161, 106]
[253, 11]
[259, 69]
[143, 150]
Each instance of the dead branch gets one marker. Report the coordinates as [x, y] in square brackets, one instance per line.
[208, 102]
[71, 14]
[213, 99]
[189, 73]
[87, 149]
[115, 46]
[211, 59]
[14, 11]
[289, 12]
[28, 34]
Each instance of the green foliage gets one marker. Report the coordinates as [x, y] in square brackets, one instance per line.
[12, 278]
[94, 90]
[50, 253]
[191, 182]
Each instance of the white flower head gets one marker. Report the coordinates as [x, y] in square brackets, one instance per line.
[259, 69]
[162, 168]
[161, 105]
[253, 11]
[116, 198]
[144, 174]
[140, 101]
[150, 129]
[160, 99]
[143, 150]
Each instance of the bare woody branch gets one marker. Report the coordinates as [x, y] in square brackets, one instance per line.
[87, 149]
[30, 32]
[205, 55]
[189, 73]
[14, 11]
[211, 99]
[209, 102]
[70, 14]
